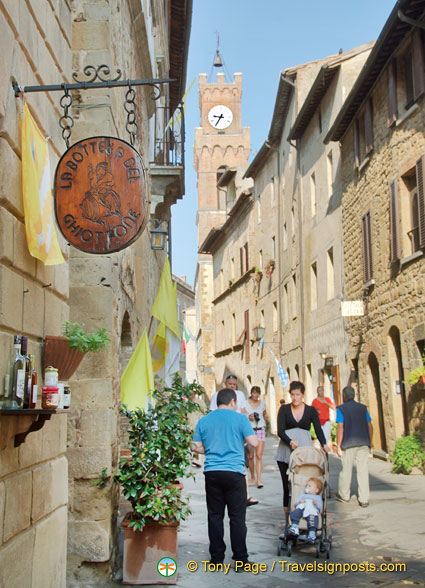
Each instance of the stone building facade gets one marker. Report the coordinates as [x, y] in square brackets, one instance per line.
[53, 518]
[381, 131]
[185, 301]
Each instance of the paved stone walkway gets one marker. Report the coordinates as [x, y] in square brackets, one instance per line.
[390, 531]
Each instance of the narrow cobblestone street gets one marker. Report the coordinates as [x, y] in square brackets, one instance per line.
[390, 530]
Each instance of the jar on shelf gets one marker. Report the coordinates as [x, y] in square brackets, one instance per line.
[50, 397]
[51, 376]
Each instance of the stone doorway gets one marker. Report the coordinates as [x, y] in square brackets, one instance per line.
[398, 394]
[375, 403]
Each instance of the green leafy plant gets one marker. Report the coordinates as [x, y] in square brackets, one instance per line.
[408, 453]
[95, 341]
[333, 432]
[102, 480]
[160, 446]
[415, 375]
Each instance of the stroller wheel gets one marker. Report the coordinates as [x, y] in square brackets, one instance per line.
[322, 547]
[318, 550]
[279, 548]
[328, 552]
[289, 549]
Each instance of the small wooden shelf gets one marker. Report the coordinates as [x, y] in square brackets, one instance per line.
[19, 423]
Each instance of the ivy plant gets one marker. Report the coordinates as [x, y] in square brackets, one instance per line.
[77, 337]
[408, 453]
[159, 442]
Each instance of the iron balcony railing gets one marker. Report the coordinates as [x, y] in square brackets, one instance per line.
[169, 137]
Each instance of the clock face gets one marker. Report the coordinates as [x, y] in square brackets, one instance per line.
[220, 117]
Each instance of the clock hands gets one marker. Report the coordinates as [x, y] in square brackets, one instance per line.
[218, 117]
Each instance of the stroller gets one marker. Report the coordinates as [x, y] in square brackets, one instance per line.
[304, 463]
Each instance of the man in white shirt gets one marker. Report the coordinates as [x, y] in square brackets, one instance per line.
[231, 382]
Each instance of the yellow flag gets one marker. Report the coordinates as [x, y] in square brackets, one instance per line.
[165, 354]
[165, 306]
[37, 194]
[137, 380]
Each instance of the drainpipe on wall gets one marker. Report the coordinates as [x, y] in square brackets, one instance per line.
[301, 265]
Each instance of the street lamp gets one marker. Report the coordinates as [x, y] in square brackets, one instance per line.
[158, 235]
[259, 333]
[323, 354]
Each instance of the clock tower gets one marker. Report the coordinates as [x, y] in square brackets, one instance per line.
[220, 142]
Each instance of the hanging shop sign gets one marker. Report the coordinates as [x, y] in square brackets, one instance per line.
[100, 195]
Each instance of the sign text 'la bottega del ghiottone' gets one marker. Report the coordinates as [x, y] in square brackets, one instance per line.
[100, 195]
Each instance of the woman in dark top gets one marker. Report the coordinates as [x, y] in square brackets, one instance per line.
[295, 418]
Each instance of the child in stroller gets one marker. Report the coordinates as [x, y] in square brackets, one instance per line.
[308, 481]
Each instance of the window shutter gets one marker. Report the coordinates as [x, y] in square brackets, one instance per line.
[367, 248]
[392, 92]
[418, 64]
[421, 200]
[356, 144]
[241, 260]
[247, 343]
[246, 257]
[368, 127]
[394, 224]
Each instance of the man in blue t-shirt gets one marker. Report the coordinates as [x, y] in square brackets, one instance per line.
[221, 435]
[353, 436]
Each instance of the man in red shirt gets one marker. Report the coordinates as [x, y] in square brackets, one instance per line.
[322, 404]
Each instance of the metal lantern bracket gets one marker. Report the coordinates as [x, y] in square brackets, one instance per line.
[93, 74]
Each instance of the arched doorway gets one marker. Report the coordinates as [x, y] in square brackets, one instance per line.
[375, 403]
[398, 393]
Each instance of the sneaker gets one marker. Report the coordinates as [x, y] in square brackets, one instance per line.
[341, 499]
[311, 538]
[363, 504]
[294, 530]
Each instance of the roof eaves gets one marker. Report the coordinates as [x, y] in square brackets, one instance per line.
[389, 39]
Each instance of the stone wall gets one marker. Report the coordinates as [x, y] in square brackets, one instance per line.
[395, 301]
[35, 43]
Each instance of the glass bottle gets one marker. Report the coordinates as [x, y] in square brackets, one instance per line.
[34, 387]
[16, 396]
[27, 387]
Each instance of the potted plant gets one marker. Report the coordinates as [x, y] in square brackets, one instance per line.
[159, 456]
[257, 276]
[269, 268]
[408, 454]
[65, 353]
[417, 375]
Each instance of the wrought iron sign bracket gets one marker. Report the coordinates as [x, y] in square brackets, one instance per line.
[94, 73]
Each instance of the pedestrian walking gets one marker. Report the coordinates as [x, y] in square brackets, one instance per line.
[293, 427]
[255, 408]
[322, 404]
[221, 435]
[353, 436]
[230, 382]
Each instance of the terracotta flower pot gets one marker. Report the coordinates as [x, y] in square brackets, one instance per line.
[59, 354]
[143, 550]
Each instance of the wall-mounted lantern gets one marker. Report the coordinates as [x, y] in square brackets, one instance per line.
[158, 235]
[259, 333]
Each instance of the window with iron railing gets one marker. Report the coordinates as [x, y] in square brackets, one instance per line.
[169, 137]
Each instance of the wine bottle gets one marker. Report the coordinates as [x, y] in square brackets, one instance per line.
[34, 388]
[16, 395]
[27, 387]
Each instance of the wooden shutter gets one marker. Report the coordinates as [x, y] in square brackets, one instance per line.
[368, 127]
[392, 92]
[367, 248]
[245, 247]
[421, 200]
[394, 224]
[246, 336]
[241, 260]
[418, 64]
[356, 144]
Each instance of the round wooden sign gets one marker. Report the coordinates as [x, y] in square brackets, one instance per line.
[100, 195]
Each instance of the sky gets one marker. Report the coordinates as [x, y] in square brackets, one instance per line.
[260, 39]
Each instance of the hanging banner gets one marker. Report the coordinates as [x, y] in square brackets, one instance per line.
[100, 195]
